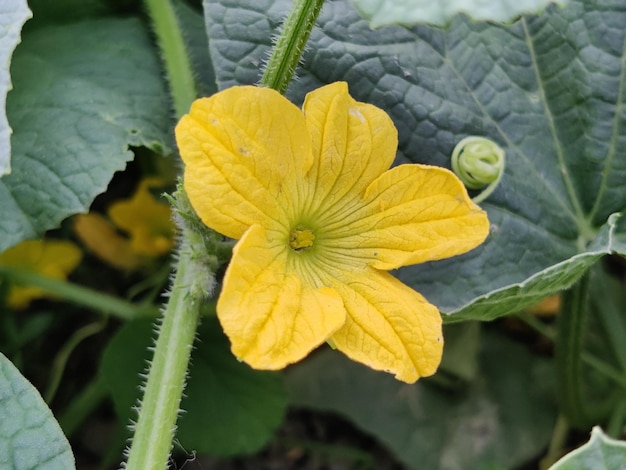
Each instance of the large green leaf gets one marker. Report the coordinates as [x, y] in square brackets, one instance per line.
[84, 92]
[408, 12]
[30, 437]
[229, 408]
[501, 419]
[548, 89]
[13, 14]
[600, 453]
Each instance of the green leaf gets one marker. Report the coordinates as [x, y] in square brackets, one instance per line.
[46, 13]
[232, 409]
[30, 437]
[13, 14]
[600, 453]
[228, 408]
[548, 89]
[408, 12]
[501, 419]
[84, 92]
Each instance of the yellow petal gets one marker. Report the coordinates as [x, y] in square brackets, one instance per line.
[412, 214]
[50, 258]
[389, 326]
[240, 146]
[101, 238]
[353, 143]
[272, 317]
[147, 221]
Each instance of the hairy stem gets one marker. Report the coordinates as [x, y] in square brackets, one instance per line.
[290, 45]
[156, 424]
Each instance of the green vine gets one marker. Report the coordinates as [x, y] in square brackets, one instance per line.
[80, 295]
[569, 352]
[290, 45]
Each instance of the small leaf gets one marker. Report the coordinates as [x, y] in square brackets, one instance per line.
[228, 408]
[501, 419]
[30, 437]
[13, 14]
[408, 12]
[84, 92]
[600, 453]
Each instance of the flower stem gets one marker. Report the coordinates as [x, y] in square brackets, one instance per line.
[79, 295]
[156, 424]
[290, 45]
[175, 57]
[194, 282]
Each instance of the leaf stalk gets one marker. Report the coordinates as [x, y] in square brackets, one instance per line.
[176, 60]
[569, 352]
[79, 295]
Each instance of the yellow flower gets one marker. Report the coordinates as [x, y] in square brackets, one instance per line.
[99, 235]
[147, 221]
[320, 217]
[51, 258]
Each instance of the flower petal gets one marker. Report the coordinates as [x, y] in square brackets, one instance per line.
[99, 235]
[389, 326]
[147, 220]
[239, 147]
[55, 259]
[353, 143]
[412, 214]
[272, 317]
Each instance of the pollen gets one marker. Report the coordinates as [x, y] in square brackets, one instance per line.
[301, 238]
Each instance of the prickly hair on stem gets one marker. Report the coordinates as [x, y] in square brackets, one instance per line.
[207, 250]
[288, 49]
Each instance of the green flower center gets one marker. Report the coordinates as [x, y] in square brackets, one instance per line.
[301, 238]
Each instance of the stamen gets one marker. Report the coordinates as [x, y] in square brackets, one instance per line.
[300, 239]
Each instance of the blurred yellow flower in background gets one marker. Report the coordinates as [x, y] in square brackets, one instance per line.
[320, 218]
[100, 237]
[146, 221]
[51, 258]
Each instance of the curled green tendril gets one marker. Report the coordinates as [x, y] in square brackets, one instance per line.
[478, 162]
